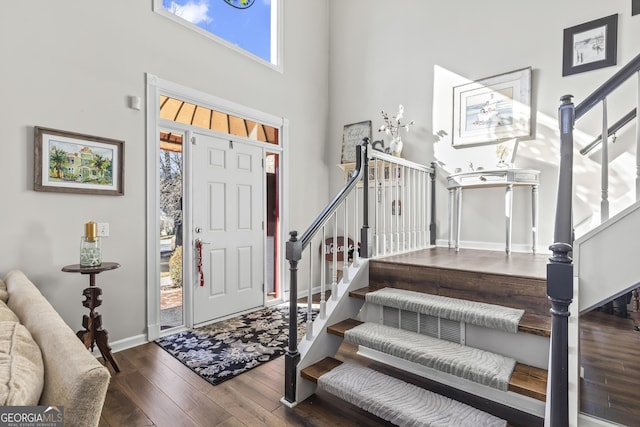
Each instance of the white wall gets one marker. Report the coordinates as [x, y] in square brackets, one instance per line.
[412, 52]
[71, 65]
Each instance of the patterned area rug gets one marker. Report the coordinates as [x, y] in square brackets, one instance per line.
[222, 350]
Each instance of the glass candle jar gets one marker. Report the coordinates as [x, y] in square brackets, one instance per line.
[90, 255]
[90, 252]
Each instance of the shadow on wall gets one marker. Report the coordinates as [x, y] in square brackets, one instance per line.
[541, 151]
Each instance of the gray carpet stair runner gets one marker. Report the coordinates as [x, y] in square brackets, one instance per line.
[401, 403]
[476, 313]
[470, 363]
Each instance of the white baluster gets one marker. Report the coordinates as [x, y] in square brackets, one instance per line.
[396, 181]
[401, 208]
[423, 215]
[323, 279]
[309, 334]
[345, 244]
[376, 207]
[334, 261]
[604, 202]
[356, 229]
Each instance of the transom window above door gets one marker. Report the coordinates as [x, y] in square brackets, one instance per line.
[245, 25]
[180, 111]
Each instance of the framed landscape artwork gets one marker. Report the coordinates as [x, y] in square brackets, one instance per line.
[493, 109]
[68, 162]
[590, 46]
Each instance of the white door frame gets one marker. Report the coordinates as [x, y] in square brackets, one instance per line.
[155, 88]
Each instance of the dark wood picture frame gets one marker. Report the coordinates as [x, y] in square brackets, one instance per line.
[352, 135]
[69, 162]
[590, 46]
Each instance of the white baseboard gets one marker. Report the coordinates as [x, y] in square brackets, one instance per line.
[585, 420]
[124, 344]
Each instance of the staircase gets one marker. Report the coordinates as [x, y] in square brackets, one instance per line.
[398, 337]
[405, 327]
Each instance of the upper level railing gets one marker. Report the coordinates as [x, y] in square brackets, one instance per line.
[600, 95]
[388, 203]
[560, 267]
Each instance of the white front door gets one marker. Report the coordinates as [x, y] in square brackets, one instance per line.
[228, 218]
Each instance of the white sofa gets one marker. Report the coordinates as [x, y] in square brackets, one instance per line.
[62, 373]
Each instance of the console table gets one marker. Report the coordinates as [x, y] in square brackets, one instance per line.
[93, 334]
[507, 178]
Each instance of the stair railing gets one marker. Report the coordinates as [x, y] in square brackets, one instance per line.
[560, 267]
[402, 204]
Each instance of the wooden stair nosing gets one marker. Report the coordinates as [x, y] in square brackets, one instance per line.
[526, 380]
[315, 371]
[530, 323]
[360, 293]
[340, 327]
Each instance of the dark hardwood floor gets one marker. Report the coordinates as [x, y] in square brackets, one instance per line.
[155, 389]
[610, 356]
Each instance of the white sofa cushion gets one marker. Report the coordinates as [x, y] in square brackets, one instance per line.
[21, 366]
[6, 314]
[4, 295]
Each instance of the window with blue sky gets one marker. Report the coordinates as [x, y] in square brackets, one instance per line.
[246, 24]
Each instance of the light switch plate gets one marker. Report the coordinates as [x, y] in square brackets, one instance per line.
[103, 229]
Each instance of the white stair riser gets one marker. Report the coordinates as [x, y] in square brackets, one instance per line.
[602, 272]
[529, 349]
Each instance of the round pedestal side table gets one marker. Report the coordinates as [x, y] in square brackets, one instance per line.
[93, 334]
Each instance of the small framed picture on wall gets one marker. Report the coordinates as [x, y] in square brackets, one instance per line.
[590, 46]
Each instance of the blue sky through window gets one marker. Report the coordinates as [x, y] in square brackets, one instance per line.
[248, 28]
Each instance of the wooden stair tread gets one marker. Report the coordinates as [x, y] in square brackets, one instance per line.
[526, 380]
[529, 381]
[340, 327]
[535, 324]
[315, 371]
[360, 293]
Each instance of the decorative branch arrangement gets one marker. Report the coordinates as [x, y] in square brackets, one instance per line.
[392, 126]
